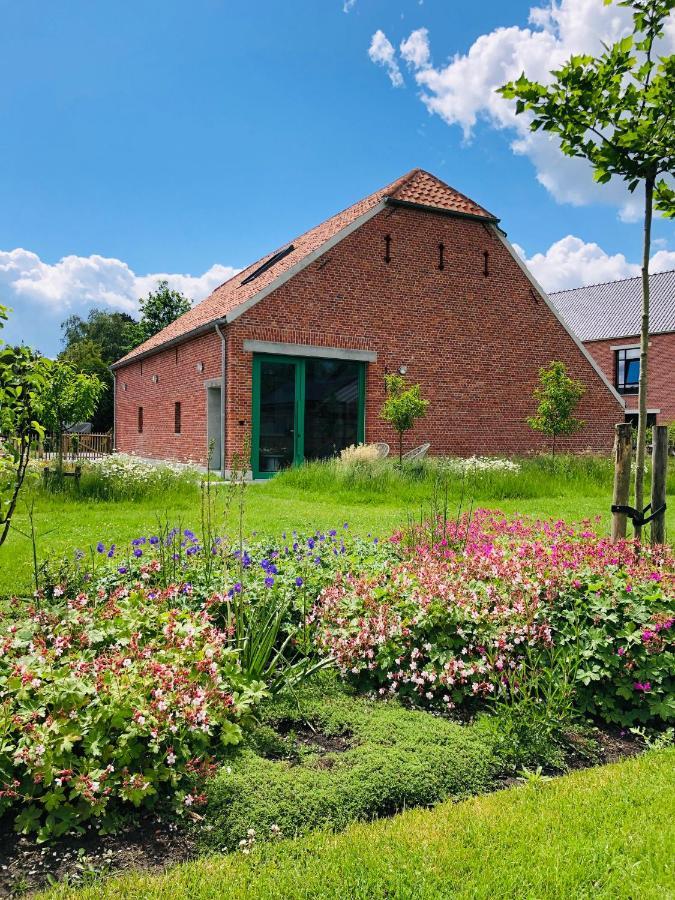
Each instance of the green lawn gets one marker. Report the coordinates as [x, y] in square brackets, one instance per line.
[605, 832]
[305, 499]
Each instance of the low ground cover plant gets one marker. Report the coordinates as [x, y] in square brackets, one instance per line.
[326, 757]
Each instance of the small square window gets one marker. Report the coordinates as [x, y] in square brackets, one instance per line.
[627, 369]
[176, 418]
[140, 420]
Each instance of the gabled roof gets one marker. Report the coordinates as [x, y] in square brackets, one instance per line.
[614, 309]
[418, 188]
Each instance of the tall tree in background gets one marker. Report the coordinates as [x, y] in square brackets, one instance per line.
[91, 346]
[159, 309]
[617, 111]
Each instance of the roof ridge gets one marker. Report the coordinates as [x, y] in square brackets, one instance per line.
[582, 287]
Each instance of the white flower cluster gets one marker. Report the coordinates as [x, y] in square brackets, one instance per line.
[123, 467]
[481, 464]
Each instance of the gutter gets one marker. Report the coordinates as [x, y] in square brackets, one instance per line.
[114, 434]
[223, 405]
[200, 329]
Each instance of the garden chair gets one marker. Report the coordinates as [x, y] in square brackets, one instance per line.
[418, 453]
[382, 450]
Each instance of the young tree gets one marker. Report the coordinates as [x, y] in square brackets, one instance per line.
[402, 406]
[159, 309]
[85, 357]
[557, 397]
[20, 380]
[617, 111]
[65, 398]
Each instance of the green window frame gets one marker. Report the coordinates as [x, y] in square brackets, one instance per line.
[299, 419]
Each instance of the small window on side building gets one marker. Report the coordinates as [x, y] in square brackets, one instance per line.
[140, 420]
[176, 418]
[628, 370]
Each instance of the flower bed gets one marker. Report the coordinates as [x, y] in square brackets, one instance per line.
[471, 601]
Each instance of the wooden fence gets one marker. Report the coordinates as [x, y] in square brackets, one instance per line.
[74, 446]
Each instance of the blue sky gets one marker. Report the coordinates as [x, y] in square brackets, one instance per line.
[141, 138]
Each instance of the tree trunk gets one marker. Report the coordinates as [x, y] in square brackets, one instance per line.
[644, 347]
[400, 448]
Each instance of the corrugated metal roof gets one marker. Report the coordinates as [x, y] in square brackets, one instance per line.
[614, 309]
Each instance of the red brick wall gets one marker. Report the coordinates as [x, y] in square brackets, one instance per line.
[474, 343]
[178, 381]
[661, 373]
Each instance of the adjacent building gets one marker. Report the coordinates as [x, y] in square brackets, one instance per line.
[607, 319]
[291, 353]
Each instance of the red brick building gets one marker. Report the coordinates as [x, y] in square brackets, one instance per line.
[293, 350]
[607, 318]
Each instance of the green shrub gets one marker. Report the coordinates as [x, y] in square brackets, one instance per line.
[395, 758]
[108, 704]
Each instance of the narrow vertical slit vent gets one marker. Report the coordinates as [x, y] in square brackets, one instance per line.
[441, 259]
[387, 248]
[486, 260]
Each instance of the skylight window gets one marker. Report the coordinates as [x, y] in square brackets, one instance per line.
[273, 260]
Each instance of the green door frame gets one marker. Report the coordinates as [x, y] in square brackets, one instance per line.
[299, 419]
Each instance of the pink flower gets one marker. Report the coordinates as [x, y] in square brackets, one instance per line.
[621, 651]
[645, 686]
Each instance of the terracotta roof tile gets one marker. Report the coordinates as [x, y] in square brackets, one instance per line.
[417, 187]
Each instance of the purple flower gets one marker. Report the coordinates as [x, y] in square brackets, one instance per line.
[299, 582]
[346, 525]
[190, 535]
[100, 547]
[310, 543]
[269, 581]
[647, 635]
[154, 540]
[621, 651]
[237, 588]
[192, 550]
[111, 552]
[645, 686]
[122, 570]
[332, 532]
[246, 560]
[137, 542]
[138, 552]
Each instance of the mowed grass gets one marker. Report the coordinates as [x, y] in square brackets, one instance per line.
[605, 832]
[372, 499]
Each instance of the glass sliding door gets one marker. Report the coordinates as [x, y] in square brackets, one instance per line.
[332, 405]
[304, 408]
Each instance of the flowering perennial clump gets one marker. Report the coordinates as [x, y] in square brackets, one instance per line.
[112, 698]
[453, 621]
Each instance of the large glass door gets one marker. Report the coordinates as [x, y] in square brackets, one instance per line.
[276, 438]
[304, 408]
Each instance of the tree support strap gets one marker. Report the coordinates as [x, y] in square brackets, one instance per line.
[638, 518]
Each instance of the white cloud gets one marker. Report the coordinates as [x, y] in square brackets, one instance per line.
[415, 49]
[571, 262]
[463, 90]
[382, 53]
[43, 294]
[348, 5]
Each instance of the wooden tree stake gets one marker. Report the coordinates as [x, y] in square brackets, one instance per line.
[623, 451]
[659, 475]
